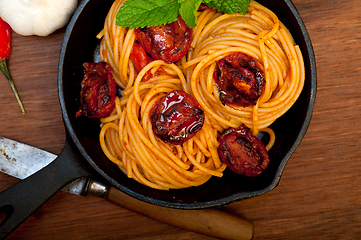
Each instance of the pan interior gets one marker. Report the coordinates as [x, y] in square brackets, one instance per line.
[80, 45]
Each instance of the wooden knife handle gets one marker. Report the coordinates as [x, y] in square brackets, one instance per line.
[212, 222]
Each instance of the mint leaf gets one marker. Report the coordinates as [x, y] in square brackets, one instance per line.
[230, 6]
[146, 13]
[188, 11]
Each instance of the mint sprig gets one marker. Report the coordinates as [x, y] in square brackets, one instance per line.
[142, 13]
[147, 13]
[187, 12]
[230, 6]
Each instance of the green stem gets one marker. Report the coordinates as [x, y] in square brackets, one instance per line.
[4, 68]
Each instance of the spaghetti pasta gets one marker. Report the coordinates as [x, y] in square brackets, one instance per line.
[126, 136]
[128, 140]
[260, 35]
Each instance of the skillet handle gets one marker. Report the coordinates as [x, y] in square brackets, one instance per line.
[212, 222]
[25, 197]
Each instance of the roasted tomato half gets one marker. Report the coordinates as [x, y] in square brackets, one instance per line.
[98, 91]
[140, 59]
[242, 152]
[167, 42]
[240, 80]
[176, 117]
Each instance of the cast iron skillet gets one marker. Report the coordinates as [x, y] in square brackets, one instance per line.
[82, 155]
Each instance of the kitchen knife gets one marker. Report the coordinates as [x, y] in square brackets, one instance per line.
[20, 160]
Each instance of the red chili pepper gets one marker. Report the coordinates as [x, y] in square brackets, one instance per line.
[5, 36]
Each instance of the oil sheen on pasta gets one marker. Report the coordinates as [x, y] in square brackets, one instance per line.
[126, 135]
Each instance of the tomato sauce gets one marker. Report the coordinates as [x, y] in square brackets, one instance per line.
[176, 117]
[240, 80]
[167, 42]
[243, 153]
[98, 91]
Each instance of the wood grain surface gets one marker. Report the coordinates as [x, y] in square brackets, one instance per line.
[318, 197]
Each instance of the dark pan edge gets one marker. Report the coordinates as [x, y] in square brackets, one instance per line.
[69, 129]
[221, 202]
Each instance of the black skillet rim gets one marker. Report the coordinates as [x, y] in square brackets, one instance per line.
[214, 203]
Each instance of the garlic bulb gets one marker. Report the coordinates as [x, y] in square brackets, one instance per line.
[37, 17]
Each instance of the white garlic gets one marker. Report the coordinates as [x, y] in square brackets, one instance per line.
[37, 17]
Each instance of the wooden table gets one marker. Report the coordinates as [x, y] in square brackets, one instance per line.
[319, 195]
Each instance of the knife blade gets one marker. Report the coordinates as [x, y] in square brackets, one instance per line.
[21, 160]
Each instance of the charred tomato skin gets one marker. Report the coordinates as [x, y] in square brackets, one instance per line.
[98, 91]
[140, 59]
[176, 117]
[167, 42]
[243, 153]
[240, 79]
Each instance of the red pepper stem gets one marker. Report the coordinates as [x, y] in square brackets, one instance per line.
[4, 68]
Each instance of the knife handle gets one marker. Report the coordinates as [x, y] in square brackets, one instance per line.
[212, 222]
